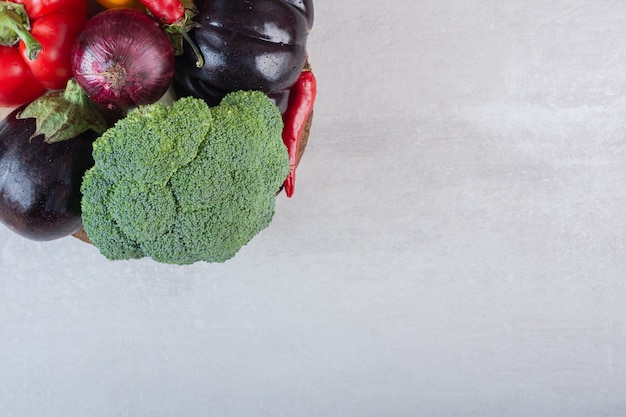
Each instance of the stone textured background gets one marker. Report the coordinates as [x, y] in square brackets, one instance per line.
[455, 246]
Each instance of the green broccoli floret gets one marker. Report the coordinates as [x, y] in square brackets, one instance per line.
[185, 183]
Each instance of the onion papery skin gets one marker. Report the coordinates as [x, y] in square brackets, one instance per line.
[123, 59]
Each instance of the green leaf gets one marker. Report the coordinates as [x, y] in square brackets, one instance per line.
[63, 115]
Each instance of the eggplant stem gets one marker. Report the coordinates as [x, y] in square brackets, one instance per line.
[194, 47]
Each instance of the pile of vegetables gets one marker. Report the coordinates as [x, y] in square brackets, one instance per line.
[190, 178]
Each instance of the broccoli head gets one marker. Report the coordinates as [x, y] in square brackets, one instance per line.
[185, 183]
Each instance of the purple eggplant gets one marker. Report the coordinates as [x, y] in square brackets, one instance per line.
[246, 45]
[40, 182]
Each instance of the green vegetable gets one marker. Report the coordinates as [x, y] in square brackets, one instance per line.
[185, 183]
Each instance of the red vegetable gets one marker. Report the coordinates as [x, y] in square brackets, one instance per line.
[177, 17]
[37, 60]
[301, 100]
[123, 59]
[167, 11]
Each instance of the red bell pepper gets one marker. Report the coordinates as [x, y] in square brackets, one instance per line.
[36, 38]
[301, 100]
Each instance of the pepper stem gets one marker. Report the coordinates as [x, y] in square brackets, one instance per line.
[15, 26]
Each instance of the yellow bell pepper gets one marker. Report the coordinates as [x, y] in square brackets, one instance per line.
[113, 4]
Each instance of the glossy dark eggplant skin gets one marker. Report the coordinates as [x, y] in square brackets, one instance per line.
[246, 45]
[40, 182]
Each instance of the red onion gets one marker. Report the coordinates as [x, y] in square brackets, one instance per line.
[122, 59]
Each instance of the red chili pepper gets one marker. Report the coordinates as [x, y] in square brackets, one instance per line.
[167, 11]
[177, 16]
[301, 100]
[36, 38]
